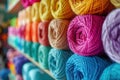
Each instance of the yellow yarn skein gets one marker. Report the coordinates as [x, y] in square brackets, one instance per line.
[61, 9]
[116, 3]
[28, 14]
[35, 12]
[99, 7]
[45, 13]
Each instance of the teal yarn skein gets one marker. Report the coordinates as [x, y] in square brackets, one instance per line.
[43, 52]
[85, 68]
[34, 51]
[28, 48]
[112, 72]
[57, 61]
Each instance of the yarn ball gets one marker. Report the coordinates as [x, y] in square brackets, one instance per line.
[28, 48]
[43, 52]
[57, 33]
[35, 31]
[43, 33]
[19, 61]
[84, 7]
[45, 13]
[28, 32]
[35, 12]
[34, 51]
[84, 35]
[25, 70]
[61, 9]
[116, 3]
[110, 35]
[85, 68]
[111, 72]
[56, 61]
[19, 77]
[33, 1]
[4, 74]
[28, 14]
[25, 3]
[38, 74]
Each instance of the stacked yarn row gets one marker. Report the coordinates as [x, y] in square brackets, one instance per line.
[51, 31]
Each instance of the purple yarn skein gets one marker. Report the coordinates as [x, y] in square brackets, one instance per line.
[111, 35]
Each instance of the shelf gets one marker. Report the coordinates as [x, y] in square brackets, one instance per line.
[34, 62]
[14, 7]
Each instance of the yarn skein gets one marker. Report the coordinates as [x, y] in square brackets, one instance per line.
[28, 14]
[85, 68]
[25, 3]
[84, 35]
[35, 31]
[57, 60]
[28, 48]
[34, 51]
[116, 3]
[43, 33]
[111, 36]
[111, 72]
[28, 32]
[35, 12]
[43, 52]
[45, 13]
[57, 33]
[84, 7]
[33, 1]
[61, 9]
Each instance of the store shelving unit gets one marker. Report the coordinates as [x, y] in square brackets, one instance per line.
[34, 62]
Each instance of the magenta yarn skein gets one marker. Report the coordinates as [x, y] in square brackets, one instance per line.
[25, 3]
[33, 1]
[84, 35]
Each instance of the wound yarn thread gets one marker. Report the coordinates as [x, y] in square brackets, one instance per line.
[84, 35]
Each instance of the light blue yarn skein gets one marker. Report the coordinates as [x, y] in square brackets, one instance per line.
[85, 68]
[57, 61]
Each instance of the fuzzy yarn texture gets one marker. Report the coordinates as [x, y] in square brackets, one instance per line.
[28, 48]
[28, 32]
[43, 33]
[34, 51]
[84, 7]
[25, 3]
[84, 35]
[57, 33]
[57, 62]
[45, 12]
[85, 68]
[111, 36]
[35, 12]
[116, 3]
[33, 1]
[43, 52]
[35, 31]
[112, 72]
[61, 9]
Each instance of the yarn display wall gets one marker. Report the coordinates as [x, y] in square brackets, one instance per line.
[44, 10]
[61, 9]
[116, 3]
[43, 52]
[43, 33]
[84, 35]
[91, 7]
[111, 72]
[57, 33]
[110, 35]
[81, 67]
[57, 60]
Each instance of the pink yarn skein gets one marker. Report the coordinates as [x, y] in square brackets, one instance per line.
[33, 1]
[25, 3]
[84, 35]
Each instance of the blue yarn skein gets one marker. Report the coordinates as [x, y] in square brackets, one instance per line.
[56, 62]
[112, 72]
[85, 68]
